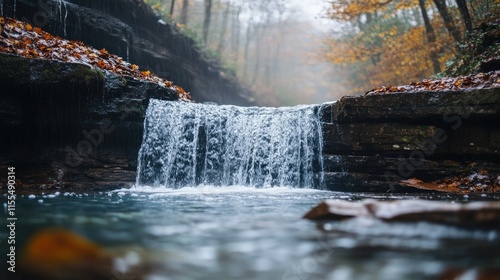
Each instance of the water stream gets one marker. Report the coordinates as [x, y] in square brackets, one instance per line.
[220, 194]
[189, 144]
[62, 19]
[248, 233]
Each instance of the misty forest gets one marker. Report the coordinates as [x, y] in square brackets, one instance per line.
[348, 46]
[250, 139]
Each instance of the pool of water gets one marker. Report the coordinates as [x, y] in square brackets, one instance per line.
[246, 233]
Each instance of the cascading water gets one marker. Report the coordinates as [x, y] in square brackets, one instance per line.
[128, 49]
[186, 144]
[62, 19]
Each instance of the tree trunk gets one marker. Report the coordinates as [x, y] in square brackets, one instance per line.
[236, 34]
[448, 19]
[464, 11]
[184, 12]
[268, 72]
[225, 16]
[206, 21]
[258, 33]
[246, 62]
[431, 37]
[172, 8]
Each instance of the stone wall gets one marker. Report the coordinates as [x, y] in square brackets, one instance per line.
[371, 143]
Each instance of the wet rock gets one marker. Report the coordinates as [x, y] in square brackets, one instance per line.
[130, 29]
[464, 214]
[71, 126]
[421, 107]
[372, 165]
[366, 182]
[374, 143]
[373, 138]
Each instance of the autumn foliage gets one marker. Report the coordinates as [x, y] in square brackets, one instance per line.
[398, 59]
[22, 39]
[481, 80]
[392, 42]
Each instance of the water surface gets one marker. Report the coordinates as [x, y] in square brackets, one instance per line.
[247, 233]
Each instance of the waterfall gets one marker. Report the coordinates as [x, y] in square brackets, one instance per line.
[187, 144]
[65, 18]
[128, 50]
[60, 4]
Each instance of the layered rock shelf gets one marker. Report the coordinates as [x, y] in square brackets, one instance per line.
[375, 142]
[130, 29]
[69, 125]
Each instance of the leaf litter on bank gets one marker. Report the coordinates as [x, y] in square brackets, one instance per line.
[476, 81]
[480, 181]
[23, 39]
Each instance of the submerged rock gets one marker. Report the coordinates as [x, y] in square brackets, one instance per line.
[472, 274]
[59, 254]
[474, 213]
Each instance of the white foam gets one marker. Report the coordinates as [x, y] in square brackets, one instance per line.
[210, 189]
[189, 144]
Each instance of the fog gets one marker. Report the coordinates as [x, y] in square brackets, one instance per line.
[273, 47]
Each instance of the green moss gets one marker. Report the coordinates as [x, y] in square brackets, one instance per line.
[89, 75]
[13, 69]
[17, 70]
[482, 45]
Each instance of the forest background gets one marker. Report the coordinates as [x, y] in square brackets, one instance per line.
[301, 52]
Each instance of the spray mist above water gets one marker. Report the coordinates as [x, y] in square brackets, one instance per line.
[187, 144]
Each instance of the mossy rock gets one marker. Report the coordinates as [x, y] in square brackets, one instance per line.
[20, 71]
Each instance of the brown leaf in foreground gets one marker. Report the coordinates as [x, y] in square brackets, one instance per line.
[57, 253]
